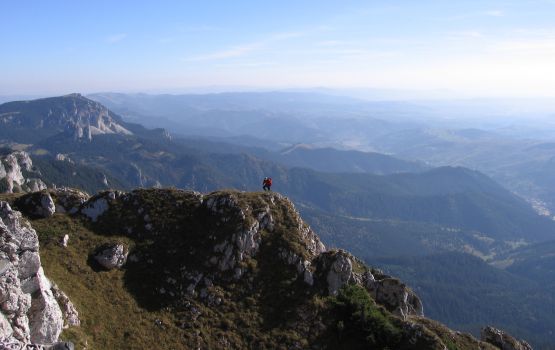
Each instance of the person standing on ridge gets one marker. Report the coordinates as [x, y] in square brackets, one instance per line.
[267, 184]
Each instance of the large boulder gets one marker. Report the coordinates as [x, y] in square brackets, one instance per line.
[112, 256]
[502, 340]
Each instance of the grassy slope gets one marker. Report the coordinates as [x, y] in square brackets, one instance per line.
[111, 317]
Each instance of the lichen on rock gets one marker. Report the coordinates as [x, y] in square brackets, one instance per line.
[29, 313]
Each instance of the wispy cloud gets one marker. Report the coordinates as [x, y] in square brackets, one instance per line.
[494, 13]
[114, 38]
[244, 49]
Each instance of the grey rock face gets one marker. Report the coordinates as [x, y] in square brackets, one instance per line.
[45, 316]
[112, 257]
[70, 314]
[339, 274]
[395, 296]
[502, 340]
[29, 312]
[337, 268]
[37, 204]
[69, 200]
[96, 208]
[12, 169]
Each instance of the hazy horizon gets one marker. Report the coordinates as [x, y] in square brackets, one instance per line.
[428, 49]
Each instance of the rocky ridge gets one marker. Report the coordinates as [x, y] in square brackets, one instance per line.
[230, 258]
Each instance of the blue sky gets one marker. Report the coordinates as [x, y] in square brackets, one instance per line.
[482, 48]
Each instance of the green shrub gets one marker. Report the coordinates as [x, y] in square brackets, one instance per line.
[361, 318]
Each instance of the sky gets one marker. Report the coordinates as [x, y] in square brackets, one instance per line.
[471, 48]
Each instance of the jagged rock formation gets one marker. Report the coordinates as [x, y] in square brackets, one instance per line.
[29, 312]
[17, 175]
[340, 268]
[503, 340]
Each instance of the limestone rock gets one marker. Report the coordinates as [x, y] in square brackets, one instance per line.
[29, 312]
[70, 314]
[15, 168]
[64, 240]
[395, 296]
[337, 268]
[94, 209]
[35, 185]
[112, 256]
[37, 204]
[68, 200]
[502, 340]
[339, 274]
[45, 316]
[5, 327]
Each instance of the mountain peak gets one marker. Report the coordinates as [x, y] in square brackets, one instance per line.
[73, 113]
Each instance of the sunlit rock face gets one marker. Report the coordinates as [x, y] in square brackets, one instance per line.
[16, 173]
[29, 312]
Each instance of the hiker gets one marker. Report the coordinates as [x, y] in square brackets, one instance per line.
[267, 184]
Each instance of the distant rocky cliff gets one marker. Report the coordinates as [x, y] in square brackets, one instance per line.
[72, 113]
[17, 175]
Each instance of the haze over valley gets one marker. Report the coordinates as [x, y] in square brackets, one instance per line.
[410, 149]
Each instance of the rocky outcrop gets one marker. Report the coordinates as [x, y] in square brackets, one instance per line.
[243, 243]
[112, 256]
[17, 175]
[29, 312]
[45, 203]
[69, 312]
[502, 340]
[36, 204]
[68, 200]
[338, 268]
[99, 204]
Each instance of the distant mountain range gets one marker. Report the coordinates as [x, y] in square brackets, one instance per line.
[375, 204]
